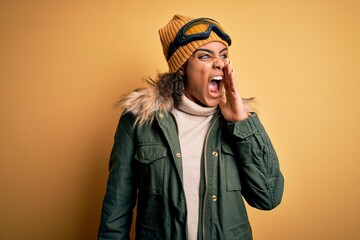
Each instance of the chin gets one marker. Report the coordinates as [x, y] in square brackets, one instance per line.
[211, 103]
[207, 102]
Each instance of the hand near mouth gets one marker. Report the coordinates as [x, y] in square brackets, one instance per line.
[231, 103]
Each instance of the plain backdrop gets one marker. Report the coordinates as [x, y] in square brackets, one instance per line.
[63, 65]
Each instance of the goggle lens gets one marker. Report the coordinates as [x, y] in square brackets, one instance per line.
[200, 26]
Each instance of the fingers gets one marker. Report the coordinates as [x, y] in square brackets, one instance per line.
[229, 83]
[229, 70]
[229, 66]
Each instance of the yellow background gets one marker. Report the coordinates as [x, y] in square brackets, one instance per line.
[64, 63]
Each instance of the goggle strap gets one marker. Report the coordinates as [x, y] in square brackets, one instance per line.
[182, 39]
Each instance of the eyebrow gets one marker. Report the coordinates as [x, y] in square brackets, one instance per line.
[208, 50]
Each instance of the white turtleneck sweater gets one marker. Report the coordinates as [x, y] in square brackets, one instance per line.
[193, 123]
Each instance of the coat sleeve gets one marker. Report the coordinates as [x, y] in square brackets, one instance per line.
[120, 196]
[261, 178]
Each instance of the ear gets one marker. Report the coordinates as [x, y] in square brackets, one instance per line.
[181, 71]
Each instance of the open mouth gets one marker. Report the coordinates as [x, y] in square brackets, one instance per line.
[214, 84]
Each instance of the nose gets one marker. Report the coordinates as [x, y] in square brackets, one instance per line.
[219, 63]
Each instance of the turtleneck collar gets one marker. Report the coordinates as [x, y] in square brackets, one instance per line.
[190, 107]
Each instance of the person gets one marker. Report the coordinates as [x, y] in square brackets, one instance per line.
[188, 148]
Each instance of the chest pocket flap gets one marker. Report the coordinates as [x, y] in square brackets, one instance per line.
[150, 152]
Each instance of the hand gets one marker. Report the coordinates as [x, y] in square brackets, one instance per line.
[231, 104]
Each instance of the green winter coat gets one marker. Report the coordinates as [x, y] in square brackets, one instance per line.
[146, 169]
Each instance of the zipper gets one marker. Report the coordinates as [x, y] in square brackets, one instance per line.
[206, 178]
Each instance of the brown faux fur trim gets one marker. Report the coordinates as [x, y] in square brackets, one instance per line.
[163, 93]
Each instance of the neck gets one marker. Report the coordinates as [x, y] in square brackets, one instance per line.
[193, 108]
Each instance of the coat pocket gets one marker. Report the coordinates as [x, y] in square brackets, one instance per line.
[233, 182]
[240, 232]
[150, 160]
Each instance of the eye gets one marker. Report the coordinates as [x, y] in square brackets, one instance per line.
[204, 56]
[224, 56]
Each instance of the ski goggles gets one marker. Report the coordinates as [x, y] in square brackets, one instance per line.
[190, 32]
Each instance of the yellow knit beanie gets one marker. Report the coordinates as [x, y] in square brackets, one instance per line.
[180, 56]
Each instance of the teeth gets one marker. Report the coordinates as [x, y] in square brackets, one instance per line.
[218, 78]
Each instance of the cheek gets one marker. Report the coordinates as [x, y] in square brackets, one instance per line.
[195, 83]
[197, 78]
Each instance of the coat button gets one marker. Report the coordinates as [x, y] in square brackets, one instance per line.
[215, 154]
[161, 115]
[214, 198]
[178, 155]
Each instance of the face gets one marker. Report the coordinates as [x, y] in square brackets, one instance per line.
[204, 72]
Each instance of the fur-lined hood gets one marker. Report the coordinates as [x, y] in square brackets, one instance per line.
[144, 102]
[162, 94]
